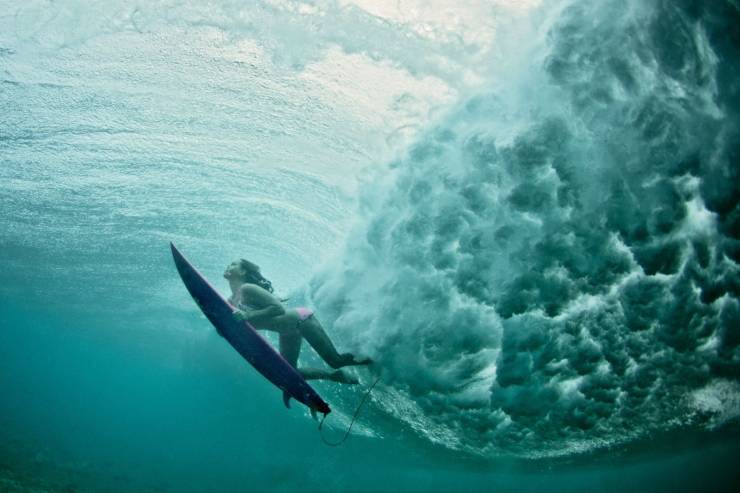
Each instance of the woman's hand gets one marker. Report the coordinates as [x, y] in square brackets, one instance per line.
[240, 315]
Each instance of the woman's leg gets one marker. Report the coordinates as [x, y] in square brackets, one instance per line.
[290, 348]
[314, 333]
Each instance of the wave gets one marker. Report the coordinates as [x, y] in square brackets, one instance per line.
[551, 268]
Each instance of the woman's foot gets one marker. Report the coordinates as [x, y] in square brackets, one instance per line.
[343, 376]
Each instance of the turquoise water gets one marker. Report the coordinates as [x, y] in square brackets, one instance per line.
[525, 212]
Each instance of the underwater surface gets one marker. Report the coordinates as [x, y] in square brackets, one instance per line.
[526, 212]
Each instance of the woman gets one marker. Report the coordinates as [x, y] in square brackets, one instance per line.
[251, 293]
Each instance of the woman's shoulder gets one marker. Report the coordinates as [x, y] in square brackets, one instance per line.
[256, 296]
[248, 288]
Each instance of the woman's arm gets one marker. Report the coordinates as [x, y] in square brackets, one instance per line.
[270, 307]
[259, 315]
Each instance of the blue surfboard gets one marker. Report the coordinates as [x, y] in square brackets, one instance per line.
[246, 340]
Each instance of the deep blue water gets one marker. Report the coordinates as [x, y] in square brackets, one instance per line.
[526, 213]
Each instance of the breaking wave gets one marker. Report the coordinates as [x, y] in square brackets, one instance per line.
[551, 268]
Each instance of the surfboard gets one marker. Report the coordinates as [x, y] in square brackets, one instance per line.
[243, 337]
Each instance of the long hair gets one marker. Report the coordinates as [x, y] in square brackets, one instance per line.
[253, 275]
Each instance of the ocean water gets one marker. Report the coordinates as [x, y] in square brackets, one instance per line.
[526, 212]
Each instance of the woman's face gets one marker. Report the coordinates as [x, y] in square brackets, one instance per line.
[234, 271]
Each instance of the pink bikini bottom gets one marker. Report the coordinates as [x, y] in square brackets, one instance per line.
[304, 313]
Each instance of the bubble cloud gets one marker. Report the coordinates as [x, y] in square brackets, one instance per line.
[552, 267]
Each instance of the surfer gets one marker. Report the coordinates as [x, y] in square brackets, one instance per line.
[252, 294]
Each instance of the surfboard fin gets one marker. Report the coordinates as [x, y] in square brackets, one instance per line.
[286, 399]
[313, 414]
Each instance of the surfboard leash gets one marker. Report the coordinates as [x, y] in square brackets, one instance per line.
[354, 417]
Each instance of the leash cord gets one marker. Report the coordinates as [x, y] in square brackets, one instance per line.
[354, 417]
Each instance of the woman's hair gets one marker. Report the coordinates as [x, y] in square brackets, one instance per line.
[253, 275]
